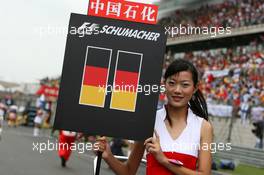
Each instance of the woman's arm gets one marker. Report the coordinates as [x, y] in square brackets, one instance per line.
[204, 159]
[123, 168]
[205, 155]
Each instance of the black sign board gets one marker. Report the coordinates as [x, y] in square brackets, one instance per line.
[111, 76]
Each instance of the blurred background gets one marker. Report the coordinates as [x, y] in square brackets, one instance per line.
[231, 65]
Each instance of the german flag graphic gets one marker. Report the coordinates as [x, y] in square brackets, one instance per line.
[95, 76]
[127, 74]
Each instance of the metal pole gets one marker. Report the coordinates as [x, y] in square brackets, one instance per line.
[98, 163]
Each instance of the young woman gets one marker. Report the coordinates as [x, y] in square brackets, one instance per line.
[181, 143]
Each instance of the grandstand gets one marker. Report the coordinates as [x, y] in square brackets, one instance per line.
[231, 65]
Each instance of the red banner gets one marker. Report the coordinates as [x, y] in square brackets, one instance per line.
[124, 10]
[48, 91]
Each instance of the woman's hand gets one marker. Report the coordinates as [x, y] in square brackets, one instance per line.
[102, 145]
[153, 146]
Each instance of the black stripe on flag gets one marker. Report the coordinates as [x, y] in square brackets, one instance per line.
[98, 57]
[128, 62]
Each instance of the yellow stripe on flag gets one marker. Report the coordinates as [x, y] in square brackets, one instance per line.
[93, 96]
[125, 101]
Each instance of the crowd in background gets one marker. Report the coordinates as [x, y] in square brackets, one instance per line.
[230, 13]
[229, 74]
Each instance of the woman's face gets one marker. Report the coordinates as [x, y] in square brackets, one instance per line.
[179, 89]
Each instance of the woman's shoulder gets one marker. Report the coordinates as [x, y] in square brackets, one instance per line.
[207, 127]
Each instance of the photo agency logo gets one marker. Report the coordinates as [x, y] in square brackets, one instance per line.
[80, 147]
[147, 89]
[190, 147]
[88, 28]
[183, 30]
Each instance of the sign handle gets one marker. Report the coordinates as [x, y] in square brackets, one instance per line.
[98, 163]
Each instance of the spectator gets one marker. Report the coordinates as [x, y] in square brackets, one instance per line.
[37, 123]
[230, 13]
[244, 111]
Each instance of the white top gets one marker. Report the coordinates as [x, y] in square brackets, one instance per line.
[188, 141]
[38, 119]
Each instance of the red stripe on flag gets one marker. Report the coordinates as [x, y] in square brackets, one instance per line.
[95, 76]
[127, 81]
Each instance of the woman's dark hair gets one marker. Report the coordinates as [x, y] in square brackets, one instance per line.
[197, 103]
